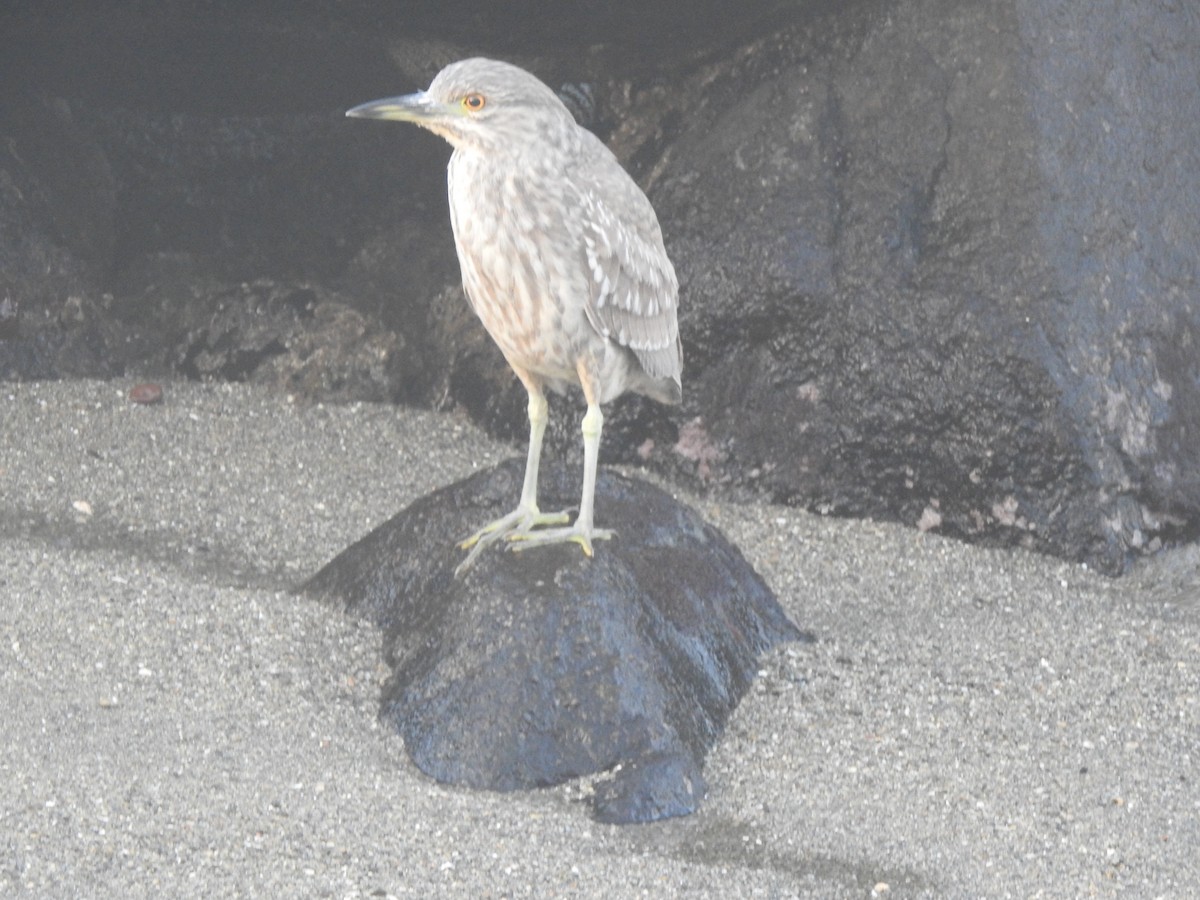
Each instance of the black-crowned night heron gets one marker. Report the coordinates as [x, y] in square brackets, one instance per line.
[562, 259]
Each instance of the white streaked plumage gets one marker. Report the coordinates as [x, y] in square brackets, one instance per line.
[562, 259]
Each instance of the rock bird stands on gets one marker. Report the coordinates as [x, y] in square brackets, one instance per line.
[562, 259]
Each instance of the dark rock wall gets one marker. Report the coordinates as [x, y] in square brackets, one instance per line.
[938, 260]
[905, 299]
[1114, 101]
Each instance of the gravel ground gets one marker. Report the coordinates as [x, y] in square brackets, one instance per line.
[970, 722]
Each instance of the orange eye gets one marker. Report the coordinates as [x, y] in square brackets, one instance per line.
[473, 102]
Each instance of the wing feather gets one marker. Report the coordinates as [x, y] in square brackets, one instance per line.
[633, 291]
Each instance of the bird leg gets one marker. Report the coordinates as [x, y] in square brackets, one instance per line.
[527, 515]
[581, 532]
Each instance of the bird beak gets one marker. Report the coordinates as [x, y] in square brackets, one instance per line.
[418, 107]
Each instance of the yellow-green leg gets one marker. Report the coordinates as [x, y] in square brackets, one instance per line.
[527, 515]
[582, 531]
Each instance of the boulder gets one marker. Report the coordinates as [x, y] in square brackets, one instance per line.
[939, 264]
[537, 667]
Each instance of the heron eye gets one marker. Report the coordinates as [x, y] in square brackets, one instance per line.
[473, 102]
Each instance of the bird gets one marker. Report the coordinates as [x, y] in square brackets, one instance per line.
[562, 260]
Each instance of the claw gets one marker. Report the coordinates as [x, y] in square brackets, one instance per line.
[514, 526]
[572, 534]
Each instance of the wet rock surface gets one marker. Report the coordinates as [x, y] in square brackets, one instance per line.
[542, 666]
[926, 277]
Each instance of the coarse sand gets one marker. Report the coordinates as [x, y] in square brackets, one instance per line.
[178, 723]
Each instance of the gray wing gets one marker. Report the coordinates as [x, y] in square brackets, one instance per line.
[633, 294]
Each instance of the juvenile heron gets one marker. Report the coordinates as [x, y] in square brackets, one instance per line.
[562, 259]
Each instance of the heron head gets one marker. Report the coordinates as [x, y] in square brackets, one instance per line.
[473, 101]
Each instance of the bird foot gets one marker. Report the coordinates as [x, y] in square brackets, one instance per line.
[571, 534]
[516, 525]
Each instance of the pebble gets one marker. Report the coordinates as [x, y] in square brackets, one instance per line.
[146, 393]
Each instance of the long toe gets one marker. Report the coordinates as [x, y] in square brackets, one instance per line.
[518, 523]
[574, 534]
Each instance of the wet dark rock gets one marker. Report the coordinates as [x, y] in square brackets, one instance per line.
[57, 199]
[542, 666]
[298, 337]
[932, 269]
